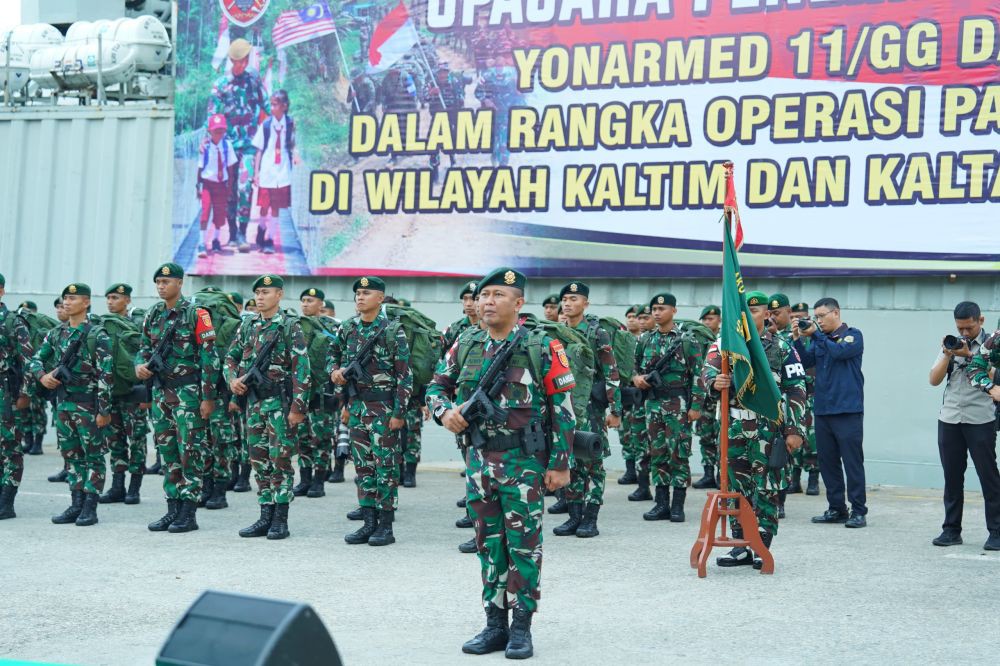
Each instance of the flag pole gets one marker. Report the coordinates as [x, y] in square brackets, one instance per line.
[724, 398]
[347, 70]
[427, 64]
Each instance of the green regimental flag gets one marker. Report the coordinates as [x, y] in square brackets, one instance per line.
[752, 378]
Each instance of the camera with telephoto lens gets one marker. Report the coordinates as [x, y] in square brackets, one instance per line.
[805, 324]
[953, 342]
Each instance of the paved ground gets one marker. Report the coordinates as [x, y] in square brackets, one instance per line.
[110, 594]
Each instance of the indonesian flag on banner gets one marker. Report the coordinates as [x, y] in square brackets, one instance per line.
[221, 54]
[393, 37]
[737, 230]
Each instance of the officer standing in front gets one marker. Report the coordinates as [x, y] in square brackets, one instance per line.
[505, 477]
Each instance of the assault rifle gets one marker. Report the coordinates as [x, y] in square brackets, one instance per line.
[62, 370]
[480, 407]
[356, 371]
[256, 379]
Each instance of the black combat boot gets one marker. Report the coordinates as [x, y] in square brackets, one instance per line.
[781, 503]
[337, 473]
[641, 493]
[356, 514]
[588, 525]
[467, 546]
[263, 524]
[132, 494]
[677, 505]
[464, 522]
[569, 528]
[519, 644]
[462, 502]
[660, 510]
[234, 475]
[766, 537]
[279, 524]
[88, 516]
[186, 519]
[73, 511]
[36, 445]
[243, 482]
[383, 533]
[316, 488]
[7, 494]
[218, 498]
[157, 467]
[305, 480]
[493, 637]
[161, 525]
[737, 557]
[795, 484]
[628, 478]
[812, 486]
[410, 475]
[116, 493]
[59, 477]
[707, 481]
[363, 533]
[207, 489]
[561, 505]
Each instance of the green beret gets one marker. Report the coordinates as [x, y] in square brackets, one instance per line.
[314, 292]
[778, 300]
[645, 310]
[212, 289]
[467, 288]
[119, 288]
[504, 277]
[801, 307]
[3, 280]
[237, 297]
[663, 298]
[551, 299]
[329, 304]
[373, 283]
[251, 303]
[56, 303]
[76, 289]
[710, 310]
[635, 309]
[757, 298]
[578, 288]
[405, 302]
[29, 305]
[170, 270]
[269, 280]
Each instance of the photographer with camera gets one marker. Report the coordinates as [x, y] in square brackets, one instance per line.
[839, 408]
[966, 426]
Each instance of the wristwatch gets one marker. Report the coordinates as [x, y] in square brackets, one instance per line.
[439, 412]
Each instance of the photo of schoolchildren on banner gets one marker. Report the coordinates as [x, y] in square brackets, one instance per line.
[584, 138]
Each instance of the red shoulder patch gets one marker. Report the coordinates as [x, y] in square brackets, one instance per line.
[559, 378]
[203, 329]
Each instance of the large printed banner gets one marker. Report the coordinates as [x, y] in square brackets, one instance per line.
[587, 137]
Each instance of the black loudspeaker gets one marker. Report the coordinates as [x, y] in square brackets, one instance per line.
[222, 629]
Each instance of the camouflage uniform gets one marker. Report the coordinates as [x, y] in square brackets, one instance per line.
[707, 428]
[497, 90]
[31, 422]
[127, 438]
[399, 96]
[455, 329]
[270, 438]
[806, 457]
[221, 446]
[15, 352]
[988, 357]
[86, 397]
[505, 488]
[243, 101]
[363, 90]
[179, 431]
[750, 438]
[375, 448]
[412, 431]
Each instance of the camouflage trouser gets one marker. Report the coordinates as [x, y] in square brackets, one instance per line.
[376, 453]
[272, 445]
[242, 454]
[670, 443]
[505, 502]
[221, 448]
[749, 475]
[316, 440]
[82, 444]
[805, 457]
[707, 429]
[29, 422]
[11, 458]
[587, 476]
[126, 437]
[179, 433]
[242, 195]
[640, 436]
[629, 438]
[412, 435]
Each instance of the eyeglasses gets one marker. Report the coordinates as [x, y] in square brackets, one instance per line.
[822, 315]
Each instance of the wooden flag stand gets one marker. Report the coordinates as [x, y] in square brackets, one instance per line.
[718, 503]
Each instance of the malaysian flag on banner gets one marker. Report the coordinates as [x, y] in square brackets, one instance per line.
[314, 21]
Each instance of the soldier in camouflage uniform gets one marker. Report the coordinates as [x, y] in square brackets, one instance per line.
[83, 403]
[30, 423]
[751, 435]
[316, 435]
[707, 427]
[670, 409]
[239, 480]
[550, 307]
[628, 438]
[446, 95]
[637, 425]
[375, 407]
[184, 393]
[470, 317]
[15, 353]
[806, 457]
[585, 493]
[127, 434]
[505, 479]
[240, 97]
[399, 96]
[275, 410]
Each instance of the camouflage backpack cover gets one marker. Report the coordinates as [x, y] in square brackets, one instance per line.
[126, 338]
[581, 360]
[425, 341]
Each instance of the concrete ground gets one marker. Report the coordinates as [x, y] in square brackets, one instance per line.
[110, 594]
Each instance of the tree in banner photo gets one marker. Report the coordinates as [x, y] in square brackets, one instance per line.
[443, 138]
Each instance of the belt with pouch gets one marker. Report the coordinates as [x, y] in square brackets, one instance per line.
[504, 442]
[265, 392]
[668, 393]
[85, 399]
[183, 380]
[374, 396]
